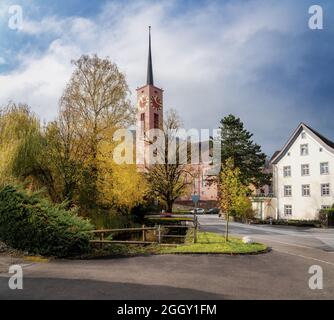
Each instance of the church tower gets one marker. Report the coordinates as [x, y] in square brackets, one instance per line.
[149, 108]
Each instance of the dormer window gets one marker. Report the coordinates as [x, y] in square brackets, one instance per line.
[304, 149]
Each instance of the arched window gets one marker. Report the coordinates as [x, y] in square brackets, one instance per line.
[142, 122]
[156, 121]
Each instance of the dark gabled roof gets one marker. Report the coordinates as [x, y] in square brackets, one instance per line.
[326, 143]
[321, 137]
[274, 155]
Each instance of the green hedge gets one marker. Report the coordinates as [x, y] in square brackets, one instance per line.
[288, 222]
[32, 224]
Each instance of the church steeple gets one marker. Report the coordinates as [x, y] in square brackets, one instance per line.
[149, 113]
[150, 80]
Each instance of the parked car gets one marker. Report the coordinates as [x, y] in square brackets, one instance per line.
[198, 211]
[165, 214]
[213, 211]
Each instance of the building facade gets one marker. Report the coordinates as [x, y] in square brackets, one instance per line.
[303, 175]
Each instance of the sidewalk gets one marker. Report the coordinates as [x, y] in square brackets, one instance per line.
[9, 257]
[7, 261]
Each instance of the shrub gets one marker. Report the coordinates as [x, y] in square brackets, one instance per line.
[242, 209]
[32, 224]
[326, 217]
[289, 222]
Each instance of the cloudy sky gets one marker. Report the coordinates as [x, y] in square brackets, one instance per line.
[256, 59]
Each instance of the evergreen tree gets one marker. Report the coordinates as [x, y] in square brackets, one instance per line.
[238, 145]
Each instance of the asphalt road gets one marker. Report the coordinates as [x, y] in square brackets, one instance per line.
[280, 274]
[312, 243]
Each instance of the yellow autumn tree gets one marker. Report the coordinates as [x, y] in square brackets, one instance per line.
[129, 187]
[24, 154]
[95, 100]
[119, 185]
[233, 193]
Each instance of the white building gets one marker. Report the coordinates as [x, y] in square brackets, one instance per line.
[303, 175]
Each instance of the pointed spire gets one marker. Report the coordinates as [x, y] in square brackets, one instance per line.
[150, 80]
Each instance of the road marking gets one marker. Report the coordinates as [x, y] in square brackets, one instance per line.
[308, 236]
[286, 243]
[305, 257]
[266, 228]
[297, 255]
[281, 242]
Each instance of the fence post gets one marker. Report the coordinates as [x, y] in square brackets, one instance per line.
[143, 233]
[159, 234]
[101, 239]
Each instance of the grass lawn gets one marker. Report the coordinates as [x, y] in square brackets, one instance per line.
[208, 243]
[183, 211]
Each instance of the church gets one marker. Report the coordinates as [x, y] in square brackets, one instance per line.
[150, 113]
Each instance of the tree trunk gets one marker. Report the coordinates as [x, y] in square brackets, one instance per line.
[226, 230]
[170, 206]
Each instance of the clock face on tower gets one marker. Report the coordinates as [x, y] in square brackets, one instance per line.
[143, 102]
[156, 103]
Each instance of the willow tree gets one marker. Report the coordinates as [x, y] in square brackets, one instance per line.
[23, 150]
[95, 101]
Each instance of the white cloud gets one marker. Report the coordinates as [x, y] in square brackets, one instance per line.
[4, 5]
[206, 59]
[53, 25]
[46, 25]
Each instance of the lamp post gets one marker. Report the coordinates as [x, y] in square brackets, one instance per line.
[195, 199]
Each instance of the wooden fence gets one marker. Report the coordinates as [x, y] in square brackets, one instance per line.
[158, 231]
